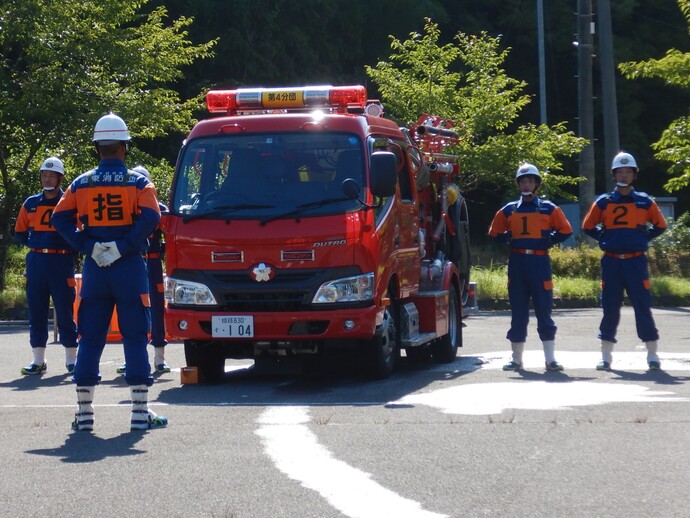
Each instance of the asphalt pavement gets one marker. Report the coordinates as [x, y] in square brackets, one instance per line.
[458, 439]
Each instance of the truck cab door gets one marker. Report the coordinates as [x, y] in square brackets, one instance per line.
[400, 232]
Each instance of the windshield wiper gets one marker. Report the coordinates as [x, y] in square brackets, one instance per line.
[301, 209]
[225, 209]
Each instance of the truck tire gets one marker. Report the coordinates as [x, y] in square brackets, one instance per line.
[445, 349]
[209, 358]
[383, 350]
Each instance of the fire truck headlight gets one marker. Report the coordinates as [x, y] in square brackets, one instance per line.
[186, 292]
[350, 289]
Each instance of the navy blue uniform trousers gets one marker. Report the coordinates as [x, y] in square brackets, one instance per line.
[529, 277]
[50, 275]
[631, 275]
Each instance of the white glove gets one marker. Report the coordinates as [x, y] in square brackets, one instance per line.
[97, 254]
[111, 253]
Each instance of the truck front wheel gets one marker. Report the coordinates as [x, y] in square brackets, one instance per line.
[445, 349]
[384, 348]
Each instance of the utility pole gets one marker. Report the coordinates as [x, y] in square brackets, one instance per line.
[542, 61]
[585, 101]
[608, 87]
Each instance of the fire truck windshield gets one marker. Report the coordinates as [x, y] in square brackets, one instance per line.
[267, 176]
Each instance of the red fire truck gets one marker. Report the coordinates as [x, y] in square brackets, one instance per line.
[303, 221]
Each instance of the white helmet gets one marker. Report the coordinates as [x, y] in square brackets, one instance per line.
[624, 160]
[527, 169]
[142, 170]
[110, 128]
[53, 164]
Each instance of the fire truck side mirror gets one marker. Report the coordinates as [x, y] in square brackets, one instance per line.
[384, 173]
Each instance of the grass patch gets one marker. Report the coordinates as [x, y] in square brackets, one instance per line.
[670, 286]
[576, 288]
[14, 295]
[577, 270]
[13, 298]
[580, 262]
[492, 283]
[583, 261]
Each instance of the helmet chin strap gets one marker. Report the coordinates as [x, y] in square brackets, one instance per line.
[49, 188]
[622, 184]
[526, 193]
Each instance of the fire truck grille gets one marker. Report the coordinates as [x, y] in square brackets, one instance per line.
[282, 276]
[264, 302]
[289, 291]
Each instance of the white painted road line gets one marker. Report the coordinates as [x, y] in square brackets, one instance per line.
[297, 453]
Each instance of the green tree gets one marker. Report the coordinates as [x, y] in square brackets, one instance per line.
[465, 82]
[65, 63]
[674, 144]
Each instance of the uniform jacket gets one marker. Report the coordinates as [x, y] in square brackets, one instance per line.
[535, 224]
[34, 228]
[112, 203]
[620, 223]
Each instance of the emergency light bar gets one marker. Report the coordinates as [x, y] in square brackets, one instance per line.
[252, 99]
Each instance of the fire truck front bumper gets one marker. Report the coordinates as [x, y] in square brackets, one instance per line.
[336, 324]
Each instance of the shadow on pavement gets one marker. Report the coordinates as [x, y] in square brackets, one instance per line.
[337, 384]
[83, 447]
[659, 377]
[549, 376]
[24, 383]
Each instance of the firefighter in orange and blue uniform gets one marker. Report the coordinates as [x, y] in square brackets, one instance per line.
[624, 221]
[49, 270]
[117, 209]
[530, 226]
[155, 252]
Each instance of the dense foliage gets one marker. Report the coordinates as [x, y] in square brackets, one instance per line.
[422, 76]
[674, 144]
[65, 63]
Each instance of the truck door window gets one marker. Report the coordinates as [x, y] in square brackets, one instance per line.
[190, 175]
[385, 144]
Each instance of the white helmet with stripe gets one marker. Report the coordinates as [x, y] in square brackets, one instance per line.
[110, 129]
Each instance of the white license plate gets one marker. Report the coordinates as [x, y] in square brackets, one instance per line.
[232, 326]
